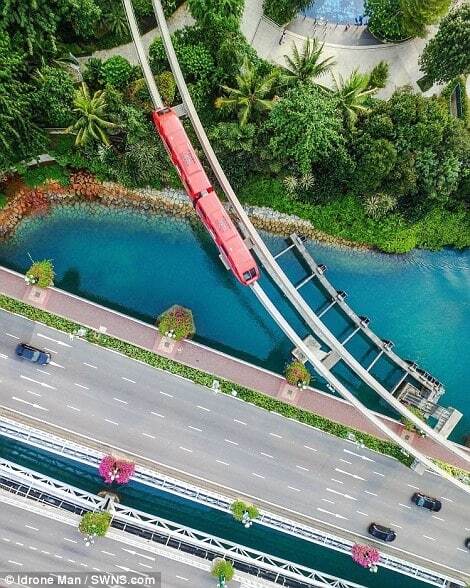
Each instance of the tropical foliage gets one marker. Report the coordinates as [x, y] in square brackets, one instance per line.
[53, 99]
[41, 273]
[283, 11]
[297, 374]
[305, 65]
[240, 509]
[222, 569]
[417, 14]
[353, 95]
[177, 322]
[95, 523]
[447, 55]
[91, 124]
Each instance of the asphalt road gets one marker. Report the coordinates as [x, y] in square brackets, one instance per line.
[30, 542]
[101, 394]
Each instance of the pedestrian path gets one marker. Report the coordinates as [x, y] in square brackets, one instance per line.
[193, 354]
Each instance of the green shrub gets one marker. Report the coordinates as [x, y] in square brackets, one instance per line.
[37, 175]
[222, 569]
[95, 523]
[409, 425]
[92, 74]
[167, 87]
[283, 11]
[378, 76]
[239, 508]
[297, 374]
[3, 199]
[177, 321]
[116, 71]
[384, 19]
[41, 273]
[53, 99]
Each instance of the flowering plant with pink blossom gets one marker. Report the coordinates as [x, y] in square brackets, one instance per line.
[116, 470]
[365, 555]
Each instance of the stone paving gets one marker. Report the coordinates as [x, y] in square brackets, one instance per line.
[204, 358]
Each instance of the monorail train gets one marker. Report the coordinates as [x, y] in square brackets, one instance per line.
[205, 200]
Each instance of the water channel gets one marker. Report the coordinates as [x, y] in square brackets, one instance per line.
[141, 266]
[203, 518]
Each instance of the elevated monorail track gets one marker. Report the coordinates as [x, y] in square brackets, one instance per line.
[279, 277]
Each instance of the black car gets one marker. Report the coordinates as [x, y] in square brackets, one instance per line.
[381, 532]
[467, 542]
[426, 501]
[33, 354]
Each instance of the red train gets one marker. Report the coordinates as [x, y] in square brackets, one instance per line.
[205, 200]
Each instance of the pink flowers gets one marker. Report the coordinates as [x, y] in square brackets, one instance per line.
[116, 470]
[365, 555]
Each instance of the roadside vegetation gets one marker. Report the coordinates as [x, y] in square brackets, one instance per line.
[390, 174]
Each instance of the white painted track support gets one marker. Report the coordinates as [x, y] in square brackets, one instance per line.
[337, 385]
[279, 276]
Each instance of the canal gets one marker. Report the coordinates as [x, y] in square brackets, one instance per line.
[202, 518]
[142, 265]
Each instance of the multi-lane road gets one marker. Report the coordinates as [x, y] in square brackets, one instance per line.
[31, 542]
[127, 404]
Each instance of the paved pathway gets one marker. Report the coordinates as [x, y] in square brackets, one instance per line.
[195, 355]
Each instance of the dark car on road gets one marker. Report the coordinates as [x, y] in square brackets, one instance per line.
[33, 354]
[426, 501]
[381, 532]
[467, 542]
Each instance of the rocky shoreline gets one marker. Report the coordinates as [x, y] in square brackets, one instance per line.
[85, 188]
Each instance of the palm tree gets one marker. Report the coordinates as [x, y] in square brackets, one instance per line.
[252, 93]
[353, 94]
[91, 124]
[305, 65]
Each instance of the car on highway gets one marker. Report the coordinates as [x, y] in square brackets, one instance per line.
[33, 354]
[382, 532]
[425, 501]
[467, 543]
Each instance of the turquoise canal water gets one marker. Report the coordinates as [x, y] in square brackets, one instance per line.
[203, 518]
[141, 266]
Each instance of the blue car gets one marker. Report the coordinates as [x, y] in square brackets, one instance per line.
[33, 354]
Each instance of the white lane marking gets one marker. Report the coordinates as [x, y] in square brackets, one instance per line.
[18, 543]
[333, 514]
[239, 422]
[81, 386]
[404, 505]
[335, 480]
[70, 540]
[56, 364]
[129, 380]
[111, 422]
[203, 408]
[90, 365]
[45, 552]
[257, 475]
[58, 556]
[55, 340]
[3, 356]
[371, 493]
[6, 539]
[119, 400]
[158, 414]
[166, 394]
[186, 449]
[430, 538]
[294, 488]
[229, 441]
[276, 435]
[73, 408]
[311, 448]
[32, 548]
[43, 372]
[330, 501]
[345, 461]
[84, 565]
[448, 499]
[13, 336]
[34, 393]
[194, 428]
[414, 487]
[395, 525]
[379, 474]
[33, 404]
[16, 563]
[148, 435]
[355, 476]
[32, 528]
[266, 455]
[341, 494]
[182, 578]
[71, 560]
[37, 382]
[108, 553]
[222, 462]
[362, 513]
[302, 468]
[438, 518]
[461, 549]
[358, 455]
[144, 565]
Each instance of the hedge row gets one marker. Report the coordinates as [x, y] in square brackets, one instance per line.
[205, 379]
